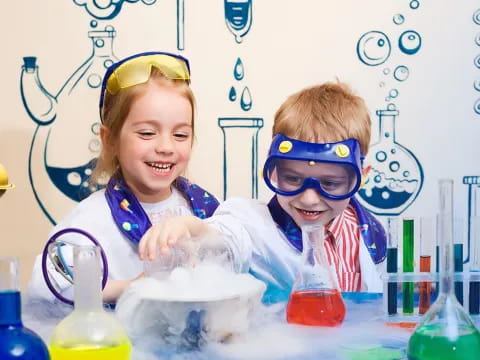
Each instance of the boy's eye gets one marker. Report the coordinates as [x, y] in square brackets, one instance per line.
[331, 185]
[292, 179]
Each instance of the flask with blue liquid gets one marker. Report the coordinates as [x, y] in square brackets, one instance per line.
[16, 341]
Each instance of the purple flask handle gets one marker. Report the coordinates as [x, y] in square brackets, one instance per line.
[45, 255]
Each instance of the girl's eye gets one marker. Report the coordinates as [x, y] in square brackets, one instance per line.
[181, 136]
[146, 133]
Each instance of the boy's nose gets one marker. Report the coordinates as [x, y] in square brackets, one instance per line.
[310, 196]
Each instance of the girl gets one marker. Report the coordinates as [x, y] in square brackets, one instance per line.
[147, 113]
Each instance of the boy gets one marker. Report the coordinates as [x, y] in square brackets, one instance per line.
[320, 137]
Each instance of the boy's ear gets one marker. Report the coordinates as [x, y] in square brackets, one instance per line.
[365, 172]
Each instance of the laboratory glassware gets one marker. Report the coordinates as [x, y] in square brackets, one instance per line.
[474, 286]
[392, 263]
[315, 299]
[446, 330]
[408, 250]
[426, 250]
[16, 341]
[89, 332]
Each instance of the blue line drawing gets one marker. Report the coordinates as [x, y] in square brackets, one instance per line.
[410, 42]
[238, 70]
[373, 48]
[476, 17]
[396, 176]
[238, 17]
[246, 99]
[181, 24]
[246, 96]
[244, 130]
[473, 207]
[106, 9]
[57, 116]
[401, 73]
[414, 4]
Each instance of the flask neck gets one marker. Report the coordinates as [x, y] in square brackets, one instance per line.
[10, 308]
[87, 279]
[386, 120]
[445, 236]
[102, 42]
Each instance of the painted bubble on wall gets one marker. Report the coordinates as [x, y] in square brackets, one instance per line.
[373, 48]
[410, 42]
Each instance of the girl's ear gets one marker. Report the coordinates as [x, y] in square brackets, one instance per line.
[104, 135]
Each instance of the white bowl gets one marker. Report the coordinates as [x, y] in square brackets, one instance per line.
[150, 308]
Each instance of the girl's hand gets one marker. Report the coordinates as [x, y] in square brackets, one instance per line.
[167, 233]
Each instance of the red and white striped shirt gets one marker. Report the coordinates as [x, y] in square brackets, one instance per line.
[342, 245]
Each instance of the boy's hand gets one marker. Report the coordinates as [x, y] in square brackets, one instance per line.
[167, 233]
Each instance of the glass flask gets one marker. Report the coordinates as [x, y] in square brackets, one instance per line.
[212, 248]
[16, 341]
[315, 299]
[396, 176]
[446, 331]
[89, 332]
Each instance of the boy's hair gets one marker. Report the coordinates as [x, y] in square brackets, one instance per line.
[329, 112]
[114, 112]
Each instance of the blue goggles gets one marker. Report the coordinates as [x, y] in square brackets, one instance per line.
[333, 169]
[136, 69]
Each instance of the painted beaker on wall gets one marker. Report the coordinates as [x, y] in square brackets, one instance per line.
[69, 118]
[240, 138]
[396, 176]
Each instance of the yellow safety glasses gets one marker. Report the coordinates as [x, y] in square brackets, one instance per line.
[136, 70]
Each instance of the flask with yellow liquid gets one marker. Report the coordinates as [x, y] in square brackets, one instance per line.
[89, 332]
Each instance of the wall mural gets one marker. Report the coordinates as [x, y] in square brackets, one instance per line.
[53, 177]
[393, 184]
[396, 175]
[238, 17]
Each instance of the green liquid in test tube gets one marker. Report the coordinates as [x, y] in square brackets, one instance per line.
[408, 265]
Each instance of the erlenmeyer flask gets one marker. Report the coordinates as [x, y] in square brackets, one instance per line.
[16, 341]
[315, 299]
[446, 331]
[89, 332]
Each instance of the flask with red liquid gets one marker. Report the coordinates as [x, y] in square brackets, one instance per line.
[315, 299]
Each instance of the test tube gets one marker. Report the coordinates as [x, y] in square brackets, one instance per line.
[426, 241]
[458, 257]
[392, 263]
[408, 241]
[474, 287]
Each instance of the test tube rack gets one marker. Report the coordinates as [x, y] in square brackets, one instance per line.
[393, 307]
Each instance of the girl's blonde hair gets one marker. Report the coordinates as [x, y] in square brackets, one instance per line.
[329, 112]
[114, 112]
